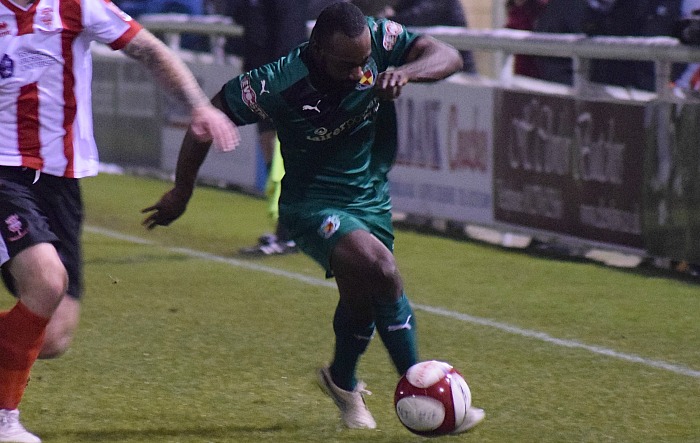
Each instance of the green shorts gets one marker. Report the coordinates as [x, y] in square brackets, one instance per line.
[317, 230]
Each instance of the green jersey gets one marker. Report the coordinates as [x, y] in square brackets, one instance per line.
[337, 143]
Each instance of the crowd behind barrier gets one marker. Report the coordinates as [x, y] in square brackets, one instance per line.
[605, 171]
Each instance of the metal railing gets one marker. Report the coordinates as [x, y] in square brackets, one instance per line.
[664, 51]
[217, 27]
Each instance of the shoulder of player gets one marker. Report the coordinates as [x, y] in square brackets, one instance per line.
[282, 73]
[264, 88]
[383, 26]
[385, 33]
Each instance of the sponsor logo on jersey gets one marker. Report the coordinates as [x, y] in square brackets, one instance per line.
[7, 67]
[34, 60]
[312, 108]
[367, 78]
[250, 98]
[392, 30]
[329, 226]
[15, 225]
[322, 134]
[369, 74]
[46, 16]
[4, 29]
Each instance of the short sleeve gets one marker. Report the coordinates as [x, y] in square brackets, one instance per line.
[393, 41]
[244, 100]
[106, 23]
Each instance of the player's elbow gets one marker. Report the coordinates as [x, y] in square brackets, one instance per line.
[455, 60]
[448, 59]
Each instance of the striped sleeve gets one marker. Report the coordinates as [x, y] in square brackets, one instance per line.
[108, 24]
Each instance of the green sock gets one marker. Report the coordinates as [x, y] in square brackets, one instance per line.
[351, 341]
[397, 328]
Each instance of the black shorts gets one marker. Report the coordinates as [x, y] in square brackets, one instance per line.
[48, 211]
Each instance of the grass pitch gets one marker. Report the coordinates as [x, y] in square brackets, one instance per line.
[182, 340]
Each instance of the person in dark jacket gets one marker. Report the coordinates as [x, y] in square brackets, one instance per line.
[272, 28]
[560, 17]
[637, 18]
[629, 18]
[522, 15]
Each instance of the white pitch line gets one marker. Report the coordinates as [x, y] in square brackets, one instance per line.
[658, 364]
[682, 370]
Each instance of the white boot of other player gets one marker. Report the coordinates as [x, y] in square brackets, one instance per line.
[12, 431]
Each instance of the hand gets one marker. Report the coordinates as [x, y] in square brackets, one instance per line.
[210, 124]
[170, 206]
[389, 84]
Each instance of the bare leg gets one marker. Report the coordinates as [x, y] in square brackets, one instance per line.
[61, 328]
[40, 281]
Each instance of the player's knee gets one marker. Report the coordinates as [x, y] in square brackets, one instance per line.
[51, 287]
[39, 278]
[387, 279]
[58, 284]
[43, 294]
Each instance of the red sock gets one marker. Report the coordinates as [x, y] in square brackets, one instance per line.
[21, 336]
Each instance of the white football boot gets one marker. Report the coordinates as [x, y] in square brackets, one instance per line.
[12, 431]
[353, 409]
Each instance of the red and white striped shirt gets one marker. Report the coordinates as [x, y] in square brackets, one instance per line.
[45, 81]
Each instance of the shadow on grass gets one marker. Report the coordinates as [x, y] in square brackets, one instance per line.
[138, 259]
[277, 433]
[224, 433]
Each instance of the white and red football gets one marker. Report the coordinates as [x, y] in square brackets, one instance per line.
[432, 399]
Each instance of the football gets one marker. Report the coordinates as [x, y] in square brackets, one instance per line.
[432, 399]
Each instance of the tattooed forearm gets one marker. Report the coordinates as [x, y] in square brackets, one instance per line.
[168, 69]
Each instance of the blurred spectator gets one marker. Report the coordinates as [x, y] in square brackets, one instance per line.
[690, 8]
[688, 32]
[608, 18]
[629, 18]
[522, 15]
[561, 17]
[424, 13]
[272, 28]
[137, 8]
[687, 29]
[219, 7]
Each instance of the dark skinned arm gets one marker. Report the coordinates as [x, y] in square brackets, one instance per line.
[173, 203]
[428, 60]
